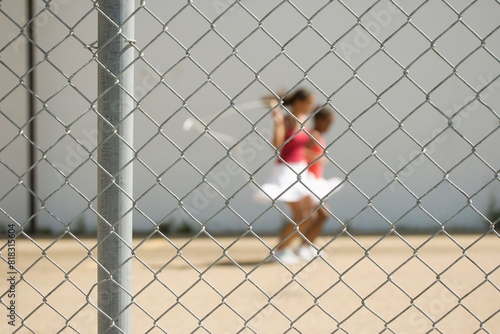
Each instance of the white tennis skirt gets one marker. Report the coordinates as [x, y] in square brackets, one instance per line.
[293, 182]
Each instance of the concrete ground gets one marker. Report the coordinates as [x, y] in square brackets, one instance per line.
[366, 285]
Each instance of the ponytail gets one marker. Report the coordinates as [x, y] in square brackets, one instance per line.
[299, 95]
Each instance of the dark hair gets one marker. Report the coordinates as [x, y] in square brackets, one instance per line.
[323, 113]
[299, 95]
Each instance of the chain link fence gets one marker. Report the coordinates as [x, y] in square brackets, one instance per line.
[134, 139]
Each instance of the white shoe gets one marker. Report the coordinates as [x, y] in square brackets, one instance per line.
[307, 252]
[286, 256]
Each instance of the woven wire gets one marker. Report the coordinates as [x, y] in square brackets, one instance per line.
[54, 10]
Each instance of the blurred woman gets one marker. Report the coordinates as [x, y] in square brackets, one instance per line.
[291, 181]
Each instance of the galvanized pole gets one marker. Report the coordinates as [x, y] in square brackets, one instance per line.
[33, 127]
[115, 128]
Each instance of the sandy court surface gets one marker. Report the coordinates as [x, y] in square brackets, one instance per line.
[362, 286]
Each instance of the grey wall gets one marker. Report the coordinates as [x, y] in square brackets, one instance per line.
[67, 85]
[13, 116]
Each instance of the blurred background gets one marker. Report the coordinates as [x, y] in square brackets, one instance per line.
[425, 112]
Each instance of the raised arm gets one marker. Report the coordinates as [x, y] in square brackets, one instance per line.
[279, 128]
[279, 121]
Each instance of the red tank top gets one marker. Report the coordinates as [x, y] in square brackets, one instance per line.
[295, 149]
[316, 167]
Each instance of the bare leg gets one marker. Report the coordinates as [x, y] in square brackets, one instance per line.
[316, 226]
[309, 211]
[298, 209]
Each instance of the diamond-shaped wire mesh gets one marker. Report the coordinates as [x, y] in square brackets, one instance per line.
[409, 244]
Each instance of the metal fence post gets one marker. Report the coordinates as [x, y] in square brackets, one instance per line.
[115, 128]
[32, 102]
